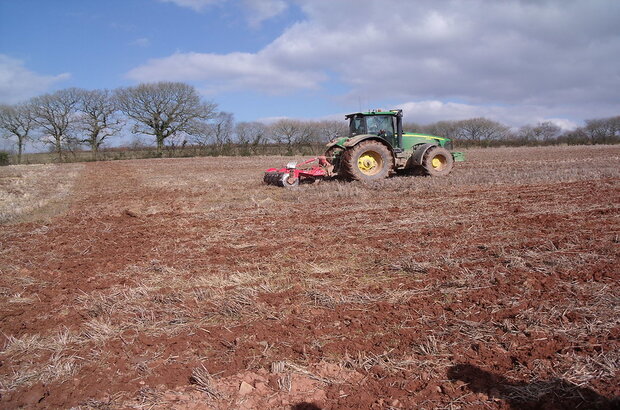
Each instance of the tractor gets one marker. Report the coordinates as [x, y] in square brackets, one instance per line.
[375, 148]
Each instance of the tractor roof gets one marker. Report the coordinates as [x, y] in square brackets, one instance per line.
[375, 112]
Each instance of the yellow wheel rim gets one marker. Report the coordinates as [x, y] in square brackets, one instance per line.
[370, 163]
[438, 162]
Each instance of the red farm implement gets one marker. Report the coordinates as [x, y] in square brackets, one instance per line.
[294, 173]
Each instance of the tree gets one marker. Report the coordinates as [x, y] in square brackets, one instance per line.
[17, 121]
[603, 130]
[216, 133]
[164, 109]
[326, 130]
[290, 132]
[575, 137]
[55, 114]
[447, 129]
[221, 130]
[98, 118]
[541, 132]
[479, 130]
[250, 135]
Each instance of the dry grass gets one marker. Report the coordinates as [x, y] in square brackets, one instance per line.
[584, 369]
[41, 359]
[29, 192]
[204, 382]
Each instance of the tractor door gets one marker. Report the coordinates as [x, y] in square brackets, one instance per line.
[357, 126]
[383, 126]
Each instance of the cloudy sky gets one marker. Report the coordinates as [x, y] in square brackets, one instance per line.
[515, 61]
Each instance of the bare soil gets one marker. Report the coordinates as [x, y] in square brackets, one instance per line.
[187, 283]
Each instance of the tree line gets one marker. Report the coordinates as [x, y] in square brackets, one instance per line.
[174, 117]
[482, 132]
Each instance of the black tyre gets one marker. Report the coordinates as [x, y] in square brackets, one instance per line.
[437, 162]
[367, 161]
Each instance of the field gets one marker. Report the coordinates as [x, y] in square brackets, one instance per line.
[187, 283]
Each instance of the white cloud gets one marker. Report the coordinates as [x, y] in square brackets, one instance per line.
[528, 59]
[258, 11]
[563, 123]
[271, 120]
[196, 5]
[232, 71]
[17, 83]
[426, 112]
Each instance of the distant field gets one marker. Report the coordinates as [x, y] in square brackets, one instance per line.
[187, 282]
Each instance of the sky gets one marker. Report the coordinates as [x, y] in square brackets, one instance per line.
[514, 61]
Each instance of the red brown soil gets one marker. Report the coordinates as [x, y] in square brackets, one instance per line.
[471, 294]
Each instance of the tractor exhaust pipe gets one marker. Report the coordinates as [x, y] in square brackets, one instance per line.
[399, 128]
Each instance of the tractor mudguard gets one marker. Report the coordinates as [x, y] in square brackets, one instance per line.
[359, 138]
[335, 143]
[418, 154]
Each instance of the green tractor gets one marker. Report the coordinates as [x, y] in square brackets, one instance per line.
[375, 148]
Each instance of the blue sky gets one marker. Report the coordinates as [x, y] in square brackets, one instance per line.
[94, 44]
[514, 61]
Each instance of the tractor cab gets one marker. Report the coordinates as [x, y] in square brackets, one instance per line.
[384, 124]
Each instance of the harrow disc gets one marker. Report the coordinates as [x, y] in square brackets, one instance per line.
[273, 178]
[281, 179]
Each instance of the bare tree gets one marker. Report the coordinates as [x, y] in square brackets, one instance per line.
[55, 114]
[603, 130]
[216, 133]
[541, 132]
[201, 134]
[98, 118]
[481, 129]
[327, 130]
[164, 109]
[290, 132]
[17, 121]
[221, 130]
[447, 129]
[250, 135]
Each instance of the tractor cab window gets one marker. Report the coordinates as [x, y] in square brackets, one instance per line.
[357, 126]
[381, 124]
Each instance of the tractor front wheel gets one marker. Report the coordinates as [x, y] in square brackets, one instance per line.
[367, 161]
[437, 162]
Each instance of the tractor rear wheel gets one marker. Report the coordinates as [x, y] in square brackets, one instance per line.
[437, 162]
[367, 161]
